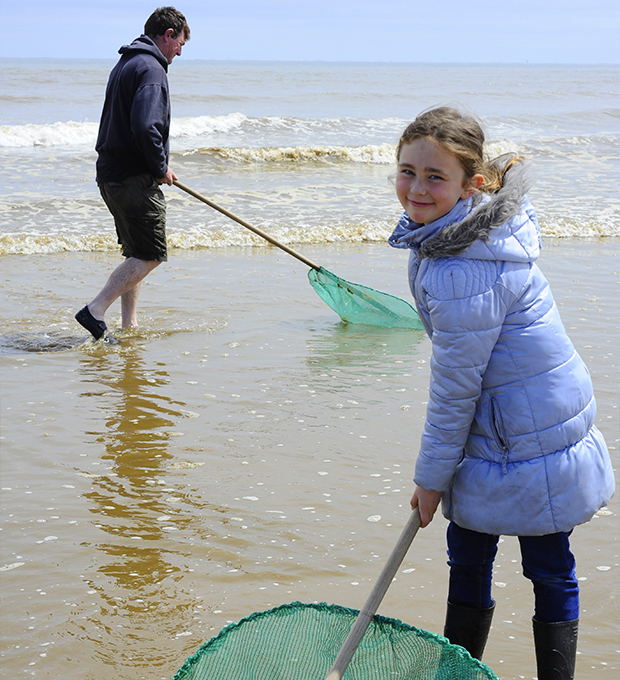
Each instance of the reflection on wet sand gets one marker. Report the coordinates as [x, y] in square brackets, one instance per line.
[132, 503]
[364, 348]
[157, 526]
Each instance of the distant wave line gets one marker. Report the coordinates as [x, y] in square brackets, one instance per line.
[199, 238]
[23, 243]
[82, 134]
[53, 134]
[76, 133]
[369, 153]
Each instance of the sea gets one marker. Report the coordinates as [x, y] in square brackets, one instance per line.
[243, 447]
[304, 150]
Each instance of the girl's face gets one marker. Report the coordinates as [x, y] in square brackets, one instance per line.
[430, 180]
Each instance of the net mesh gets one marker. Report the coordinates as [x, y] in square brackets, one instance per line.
[301, 641]
[355, 303]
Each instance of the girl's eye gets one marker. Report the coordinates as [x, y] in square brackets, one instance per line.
[435, 177]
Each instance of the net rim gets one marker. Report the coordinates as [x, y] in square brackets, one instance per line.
[337, 278]
[324, 606]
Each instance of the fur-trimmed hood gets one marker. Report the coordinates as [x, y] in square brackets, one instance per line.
[500, 226]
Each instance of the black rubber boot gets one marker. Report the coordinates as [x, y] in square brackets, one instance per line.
[556, 648]
[469, 627]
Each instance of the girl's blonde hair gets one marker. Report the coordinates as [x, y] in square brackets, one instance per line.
[462, 135]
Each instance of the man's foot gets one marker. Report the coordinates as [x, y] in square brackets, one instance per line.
[94, 326]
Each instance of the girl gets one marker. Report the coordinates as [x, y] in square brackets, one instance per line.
[509, 443]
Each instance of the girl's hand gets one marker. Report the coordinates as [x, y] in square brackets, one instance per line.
[427, 502]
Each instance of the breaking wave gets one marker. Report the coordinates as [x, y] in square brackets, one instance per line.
[370, 153]
[205, 237]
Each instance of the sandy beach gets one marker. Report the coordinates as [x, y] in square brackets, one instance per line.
[243, 448]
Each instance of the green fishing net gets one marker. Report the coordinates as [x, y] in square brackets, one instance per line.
[300, 642]
[355, 303]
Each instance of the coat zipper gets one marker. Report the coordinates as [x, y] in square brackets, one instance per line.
[500, 434]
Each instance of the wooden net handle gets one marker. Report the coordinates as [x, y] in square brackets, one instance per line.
[374, 599]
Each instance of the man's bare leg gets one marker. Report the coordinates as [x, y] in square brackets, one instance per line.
[129, 306]
[124, 282]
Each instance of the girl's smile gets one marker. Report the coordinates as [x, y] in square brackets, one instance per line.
[431, 180]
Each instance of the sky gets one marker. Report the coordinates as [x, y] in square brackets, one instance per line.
[470, 31]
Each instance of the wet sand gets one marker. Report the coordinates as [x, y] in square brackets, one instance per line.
[243, 449]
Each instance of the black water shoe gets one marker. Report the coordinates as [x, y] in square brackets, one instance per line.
[94, 326]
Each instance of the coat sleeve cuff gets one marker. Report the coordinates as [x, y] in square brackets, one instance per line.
[434, 474]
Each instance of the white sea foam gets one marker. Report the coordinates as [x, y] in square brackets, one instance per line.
[55, 134]
[10, 567]
[499, 147]
[76, 134]
[205, 125]
[376, 154]
[204, 128]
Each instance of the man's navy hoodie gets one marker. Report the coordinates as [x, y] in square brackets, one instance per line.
[135, 123]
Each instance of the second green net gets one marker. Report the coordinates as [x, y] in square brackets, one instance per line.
[359, 304]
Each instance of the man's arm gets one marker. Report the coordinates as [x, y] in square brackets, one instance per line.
[149, 127]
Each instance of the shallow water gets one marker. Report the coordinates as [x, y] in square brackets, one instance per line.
[243, 449]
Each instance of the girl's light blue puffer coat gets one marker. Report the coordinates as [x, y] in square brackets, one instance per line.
[509, 436]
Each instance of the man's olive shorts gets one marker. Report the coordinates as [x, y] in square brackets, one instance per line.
[139, 210]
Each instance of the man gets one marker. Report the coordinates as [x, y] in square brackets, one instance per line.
[132, 162]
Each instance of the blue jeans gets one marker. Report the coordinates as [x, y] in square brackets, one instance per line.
[547, 561]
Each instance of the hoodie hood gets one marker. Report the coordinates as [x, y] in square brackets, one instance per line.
[145, 45]
[502, 226]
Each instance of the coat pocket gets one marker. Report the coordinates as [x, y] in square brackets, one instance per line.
[499, 433]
